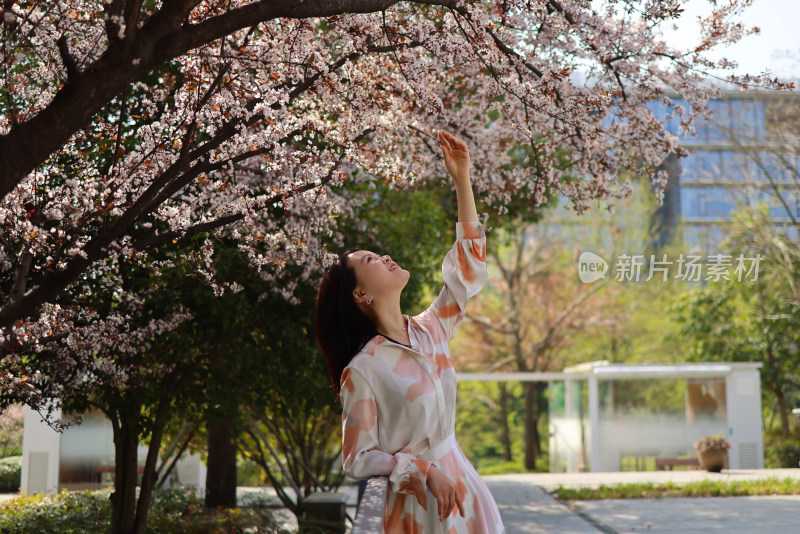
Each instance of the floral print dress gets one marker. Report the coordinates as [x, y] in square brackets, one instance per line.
[399, 406]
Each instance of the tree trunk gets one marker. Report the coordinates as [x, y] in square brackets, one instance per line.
[784, 411]
[531, 425]
[149, 474]
[774, 372]
[129, 514]
[126, 443]
[541, 410]
[506, 431]
[221, 474]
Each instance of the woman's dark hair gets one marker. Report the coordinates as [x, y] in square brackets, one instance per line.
[342, 328]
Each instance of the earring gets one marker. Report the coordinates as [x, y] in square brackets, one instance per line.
[369, 299]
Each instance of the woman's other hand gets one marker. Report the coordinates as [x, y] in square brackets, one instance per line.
[446, 492]
[456, 156]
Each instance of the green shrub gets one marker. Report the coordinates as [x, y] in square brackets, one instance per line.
[17, 451]
[782, 452]
[172, 511]
[183, 511]
[10, 473]
[66, 512]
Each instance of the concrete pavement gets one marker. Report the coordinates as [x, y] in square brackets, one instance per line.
[551, 481]
[526, 510]
[764, 515]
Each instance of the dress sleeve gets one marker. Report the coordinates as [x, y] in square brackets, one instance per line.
[361, 454]
[464, 272]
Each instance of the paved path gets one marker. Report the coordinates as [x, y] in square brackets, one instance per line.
[551, 481]
[526, 508]
[766, 515]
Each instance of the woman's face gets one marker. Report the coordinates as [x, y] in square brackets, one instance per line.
[377, 275]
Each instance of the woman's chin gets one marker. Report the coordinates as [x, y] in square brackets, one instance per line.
[403, 277]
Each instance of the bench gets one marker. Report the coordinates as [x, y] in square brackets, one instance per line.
[325, 512]
[663, 463]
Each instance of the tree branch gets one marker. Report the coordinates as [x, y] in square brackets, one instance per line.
[67, 58]
[163, 37]
[208, 226]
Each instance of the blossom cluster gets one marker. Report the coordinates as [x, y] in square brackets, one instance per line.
[255, 133]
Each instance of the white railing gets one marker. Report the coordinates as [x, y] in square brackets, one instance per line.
[369, 518]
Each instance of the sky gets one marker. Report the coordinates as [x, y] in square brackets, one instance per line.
[779, 21]
[772, 49]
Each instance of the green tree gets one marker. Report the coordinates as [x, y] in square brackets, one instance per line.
[755, 317]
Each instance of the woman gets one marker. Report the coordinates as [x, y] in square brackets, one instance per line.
[396, 381]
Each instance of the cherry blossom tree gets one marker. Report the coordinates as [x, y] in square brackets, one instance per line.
[11, 420]
[129, 126]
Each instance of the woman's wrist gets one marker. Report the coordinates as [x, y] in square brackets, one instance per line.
[462, 179]
[431, 474]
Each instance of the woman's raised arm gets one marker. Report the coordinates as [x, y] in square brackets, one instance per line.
[456, 159]
[464, 266]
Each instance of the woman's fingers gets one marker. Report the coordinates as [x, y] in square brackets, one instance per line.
[452, 141]
[450, 502]
[449, 508]
[446, 503]
[455, 147]
[443, 144]
[447, 496]
[444, 141]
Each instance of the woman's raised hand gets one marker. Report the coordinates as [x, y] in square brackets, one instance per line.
[456, 156]
[446, 492]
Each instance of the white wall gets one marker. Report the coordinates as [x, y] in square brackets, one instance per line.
[40, 454]
[743, 391]
[90, 443]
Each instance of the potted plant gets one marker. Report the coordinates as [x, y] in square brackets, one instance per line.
[712, 452]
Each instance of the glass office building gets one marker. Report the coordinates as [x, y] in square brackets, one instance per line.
[749, 143]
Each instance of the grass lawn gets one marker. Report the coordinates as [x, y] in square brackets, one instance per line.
[702, 488]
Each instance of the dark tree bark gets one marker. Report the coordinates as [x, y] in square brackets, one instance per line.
[129, 513]
[532, 438]
[506, 431]
[125, 425]
[221, 473]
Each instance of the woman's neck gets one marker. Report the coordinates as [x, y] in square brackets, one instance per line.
[391, 322]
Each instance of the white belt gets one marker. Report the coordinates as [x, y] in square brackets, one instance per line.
[440, 449]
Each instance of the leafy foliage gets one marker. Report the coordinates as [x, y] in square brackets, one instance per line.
[11, 420]
[752, 320]
[174, 511]
[10, 473]
[780, 452]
